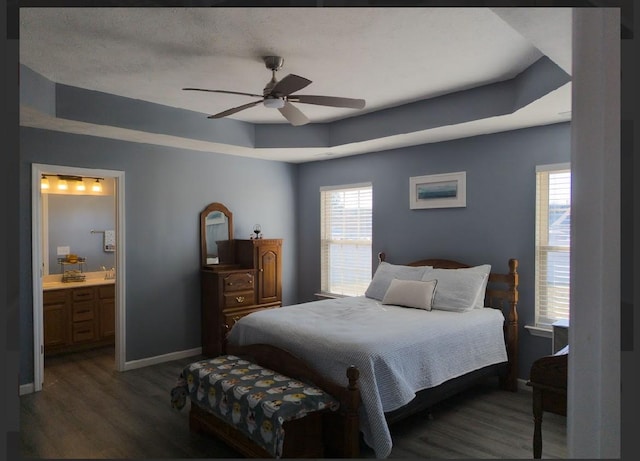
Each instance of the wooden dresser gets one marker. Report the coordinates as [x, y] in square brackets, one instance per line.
[248, 279]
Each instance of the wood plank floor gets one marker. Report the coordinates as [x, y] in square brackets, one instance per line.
[88, 410]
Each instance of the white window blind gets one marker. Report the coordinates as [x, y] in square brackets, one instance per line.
[345, 238]
[553, 243]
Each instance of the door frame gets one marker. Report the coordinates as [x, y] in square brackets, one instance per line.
[37, 169]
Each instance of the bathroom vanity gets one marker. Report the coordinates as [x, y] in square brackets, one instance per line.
[78, 315]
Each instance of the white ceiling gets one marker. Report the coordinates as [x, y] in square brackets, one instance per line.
[387, 56]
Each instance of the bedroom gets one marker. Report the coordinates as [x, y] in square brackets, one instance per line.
[173, 184]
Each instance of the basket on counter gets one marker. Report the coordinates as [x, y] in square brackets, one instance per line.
[72, 275]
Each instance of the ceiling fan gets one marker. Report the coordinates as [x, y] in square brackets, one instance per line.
[278, 95]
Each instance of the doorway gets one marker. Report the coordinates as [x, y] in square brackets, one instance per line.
[40, 257]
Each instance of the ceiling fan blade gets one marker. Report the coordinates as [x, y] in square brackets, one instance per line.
[235, 109]
[332, 101]
[293, 114]
[290, 84]
[224, 91]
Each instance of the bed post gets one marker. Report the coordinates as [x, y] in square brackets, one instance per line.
[510, 381]
[352, 423]
[341, 429]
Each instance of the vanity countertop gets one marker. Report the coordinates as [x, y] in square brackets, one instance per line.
[54, 282]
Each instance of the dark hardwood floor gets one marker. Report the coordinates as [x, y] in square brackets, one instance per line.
[88, 410]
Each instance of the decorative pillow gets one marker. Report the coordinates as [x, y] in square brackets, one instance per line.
[458, 290]
[386, 272]
[411, 293]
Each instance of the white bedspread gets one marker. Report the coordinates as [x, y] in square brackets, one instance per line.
[398, 350]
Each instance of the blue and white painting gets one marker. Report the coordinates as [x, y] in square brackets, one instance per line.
[437, 190]
[448, 190]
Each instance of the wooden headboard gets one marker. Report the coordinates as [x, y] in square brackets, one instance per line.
[502, 293]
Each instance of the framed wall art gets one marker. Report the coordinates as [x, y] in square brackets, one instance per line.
[438, 190]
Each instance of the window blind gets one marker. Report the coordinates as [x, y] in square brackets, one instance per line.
[553, 243]
[345, 238]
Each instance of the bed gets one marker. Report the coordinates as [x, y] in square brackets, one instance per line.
[409, 357]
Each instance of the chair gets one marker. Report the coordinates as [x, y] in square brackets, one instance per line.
[548, 378]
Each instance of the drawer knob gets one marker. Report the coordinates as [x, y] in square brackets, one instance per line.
[240, 299]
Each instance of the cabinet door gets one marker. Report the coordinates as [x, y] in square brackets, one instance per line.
[269, 273]
[106, 311]
[56, 325]
[107, 317]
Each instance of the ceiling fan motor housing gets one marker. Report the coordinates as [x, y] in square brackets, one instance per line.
[273, 62]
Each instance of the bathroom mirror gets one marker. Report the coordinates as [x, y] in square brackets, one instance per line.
[216, 223]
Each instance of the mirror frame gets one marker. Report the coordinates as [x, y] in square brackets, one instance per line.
[215, 206]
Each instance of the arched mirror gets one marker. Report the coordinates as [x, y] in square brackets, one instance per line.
[216, 224]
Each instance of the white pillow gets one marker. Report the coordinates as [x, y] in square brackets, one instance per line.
[484, 269]
[386, 272]
[411, 293]
[458, 289]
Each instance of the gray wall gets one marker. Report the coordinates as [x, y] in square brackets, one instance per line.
[71, 219]
[166, 189]
[497, 223]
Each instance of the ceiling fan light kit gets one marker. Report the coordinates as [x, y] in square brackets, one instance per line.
[274, 103]
[278, 95]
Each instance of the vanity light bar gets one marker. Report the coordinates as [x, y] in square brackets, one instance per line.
[63, 185]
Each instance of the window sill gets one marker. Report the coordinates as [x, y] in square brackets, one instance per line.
[539, 331]
[325, 295]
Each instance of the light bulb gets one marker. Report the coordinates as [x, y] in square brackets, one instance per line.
[97, 187]
[80, 186]
[274, 103]
[44, 183]
[62, 184]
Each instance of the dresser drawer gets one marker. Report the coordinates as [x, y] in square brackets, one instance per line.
[231, 317]
[84, 331]
[55, 297]
[239, 299]
[82, 311]
[83, 294]
[240, 281]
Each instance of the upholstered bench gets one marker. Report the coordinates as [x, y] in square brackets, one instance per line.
[254, 407]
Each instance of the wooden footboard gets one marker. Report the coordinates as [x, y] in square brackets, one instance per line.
[326, 434]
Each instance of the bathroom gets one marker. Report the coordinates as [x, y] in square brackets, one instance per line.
[78, 263]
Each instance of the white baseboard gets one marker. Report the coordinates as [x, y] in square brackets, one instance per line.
[26, 389]
[133, 364]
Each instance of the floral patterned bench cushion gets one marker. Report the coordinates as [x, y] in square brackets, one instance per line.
[255, 400]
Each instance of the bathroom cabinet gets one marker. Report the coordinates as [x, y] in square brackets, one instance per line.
[78, 318]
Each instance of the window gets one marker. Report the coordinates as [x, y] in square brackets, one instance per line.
[345, 238]
[553, 243]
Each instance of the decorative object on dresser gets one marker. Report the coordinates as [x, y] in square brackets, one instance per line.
[246, 277]
[78, 318]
